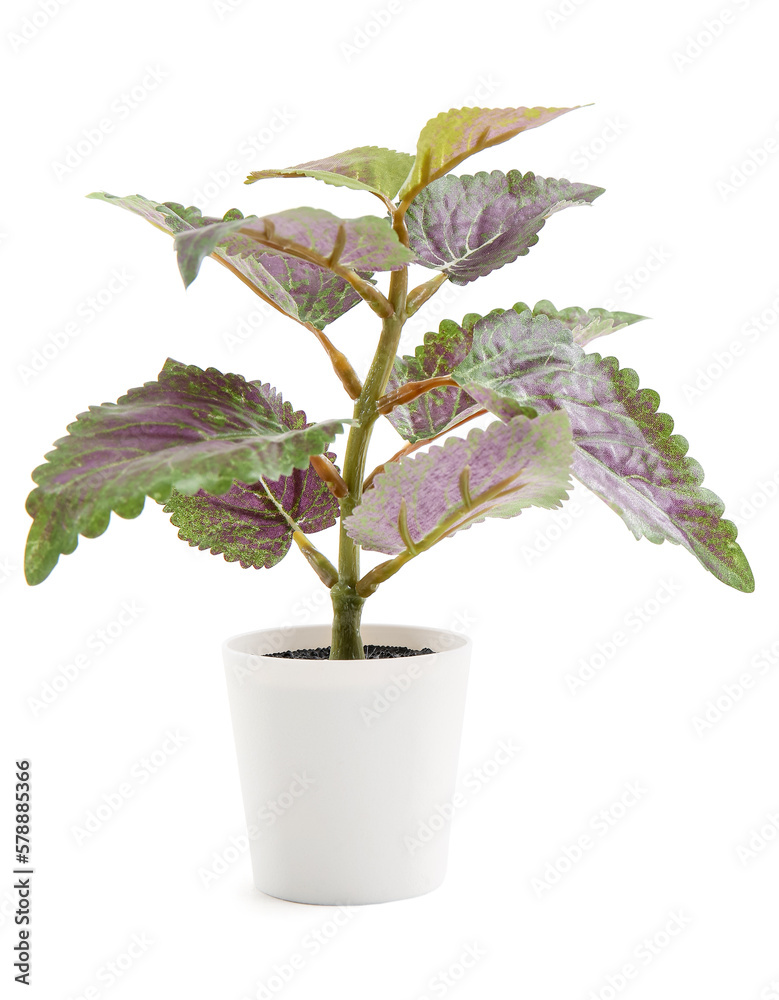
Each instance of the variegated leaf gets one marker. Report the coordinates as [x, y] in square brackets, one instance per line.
[453, 135]
[624, 449]
[189, 430]
[304, 291]
[367, 243]
[439, 409]
[496, 472]
[471, 225]
[584, 324]
[367, 168]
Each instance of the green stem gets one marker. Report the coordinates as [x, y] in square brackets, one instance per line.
[346, 641]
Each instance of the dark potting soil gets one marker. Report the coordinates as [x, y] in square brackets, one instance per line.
[371, 653]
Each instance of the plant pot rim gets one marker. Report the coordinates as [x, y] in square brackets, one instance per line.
[294, 637]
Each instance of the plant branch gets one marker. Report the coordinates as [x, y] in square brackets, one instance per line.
[466, 511]
[341, 364]
[347, 603]
[372, 295]
[328, 473]
[375, 298]
[411, 390]
[342, 367]
[419, 295]
[385, 201]
[414, 446]
[317, 560]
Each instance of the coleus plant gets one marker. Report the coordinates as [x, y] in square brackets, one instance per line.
[244, 474]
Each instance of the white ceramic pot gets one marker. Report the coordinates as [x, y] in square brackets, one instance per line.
[342, 761]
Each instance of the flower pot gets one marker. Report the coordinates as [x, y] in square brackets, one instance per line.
[342, 761]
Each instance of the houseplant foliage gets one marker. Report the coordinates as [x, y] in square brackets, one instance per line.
[244, 474]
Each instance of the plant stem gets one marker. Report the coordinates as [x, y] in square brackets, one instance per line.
[328, 473]
[346, 641]
[413, 390]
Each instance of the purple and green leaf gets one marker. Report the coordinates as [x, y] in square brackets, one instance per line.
[245, 524]
[302, 290]
[248, 526]
[367, 243]
[624, 449]
[456, 134]
[584, 324]
[471, 225]
[441, 408]
[367, 168]
[496, 472]
[189, 430]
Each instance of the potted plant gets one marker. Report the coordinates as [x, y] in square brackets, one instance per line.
[334, 787]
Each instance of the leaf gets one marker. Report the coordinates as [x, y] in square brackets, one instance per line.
[471, 225]
[369, 243]
[319, 296]
[245, 524]
[585, 325]
[367, 168]
[189, 430]
[456, 134]
[441, 408]
[423, 498]
[306, 292]
[624, 449]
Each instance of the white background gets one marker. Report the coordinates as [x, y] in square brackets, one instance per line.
[537, 594]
